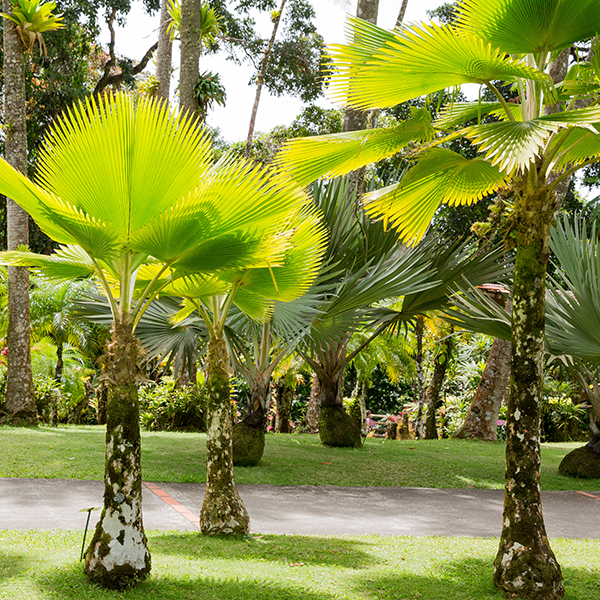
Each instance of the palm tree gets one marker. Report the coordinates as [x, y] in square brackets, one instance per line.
[534, 146]
[131, 192]
[25, 22]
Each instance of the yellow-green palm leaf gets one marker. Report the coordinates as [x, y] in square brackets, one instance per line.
[514, 145]
[458, 113]
[420, 60]
[531, 26]
[440, 176]
[68, 262]
[579, 146]
[307, 159]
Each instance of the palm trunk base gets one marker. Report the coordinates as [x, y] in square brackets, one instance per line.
[248, 444]
[118, 555]
[528, 573]
[338, 428]
[582, 462]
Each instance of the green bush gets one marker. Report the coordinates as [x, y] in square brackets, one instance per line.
[164, 407]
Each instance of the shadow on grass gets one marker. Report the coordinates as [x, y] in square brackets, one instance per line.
[313, 550]
[11, 565]
[70, 584]
[468, 579]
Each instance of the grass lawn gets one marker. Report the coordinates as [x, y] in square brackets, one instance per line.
[78, 453]
[44, 565]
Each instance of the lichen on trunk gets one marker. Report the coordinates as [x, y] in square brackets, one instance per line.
[118, 554]
[525, 566]
[223, 512]
[249, 434]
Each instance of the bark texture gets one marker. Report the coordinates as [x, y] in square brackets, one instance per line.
[223, 512]
[164, 54]
[336, 427]
[118, 554]
[284, 398]
[189, 71]
[419, 425]
[313, 411]
[20, 402]
[481, 420]
[432, 394]
[249, 434]
[525, 566]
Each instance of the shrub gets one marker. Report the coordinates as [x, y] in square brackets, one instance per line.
[164, 407]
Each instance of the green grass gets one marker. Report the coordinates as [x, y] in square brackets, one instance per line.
[78, 453]
[44, 565]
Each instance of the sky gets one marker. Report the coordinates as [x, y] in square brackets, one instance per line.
[141, 31]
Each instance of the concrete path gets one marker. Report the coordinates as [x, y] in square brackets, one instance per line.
[322, 510]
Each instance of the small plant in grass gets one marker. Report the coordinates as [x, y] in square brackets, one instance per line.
[164, 407]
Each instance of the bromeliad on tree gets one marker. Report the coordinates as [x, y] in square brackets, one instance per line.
[531, 147]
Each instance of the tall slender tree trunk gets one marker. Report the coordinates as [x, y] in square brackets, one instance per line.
[164, 54]
[313, 412]
[118, 553]
[284, 397]
[420, 379]
[223, 512]
[190, 50]
[401, 14]
[525, 566]
[19, 382]
[432, 394]
[260, 80]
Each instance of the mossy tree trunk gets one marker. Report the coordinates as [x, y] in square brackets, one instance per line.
[20, 401]
[434, 389]
[525, 566]
[336, 427]
[284, 398]
[313, 412]
[118, 553]
[249, 434]
[223, 512]
[419, 325]
[189, 57]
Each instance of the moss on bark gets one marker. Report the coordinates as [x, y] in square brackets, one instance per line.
[248, 444]
[581, 462]
[223, 512]
[525, 566]
[338, 428]
[118, 555]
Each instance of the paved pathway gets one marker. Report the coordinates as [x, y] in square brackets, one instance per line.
[323, 510]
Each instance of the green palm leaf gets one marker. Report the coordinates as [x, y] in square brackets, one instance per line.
[66, 263]
[512, 145]
[420, 60]
[457, 113]
[308, 159]
[440, 176]
[530, 26]
[579, 146]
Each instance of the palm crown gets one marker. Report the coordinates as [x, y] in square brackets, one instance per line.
[542, 133]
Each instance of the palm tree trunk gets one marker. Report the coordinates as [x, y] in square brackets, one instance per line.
[118, 553]
[223, 512]
[189, 71]
[525, 565]
[481, 420]
[164, 54]
[313, 412]
[260, 80]
[336, 426]
[284, 396]
[249, 434]
[19, 381]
